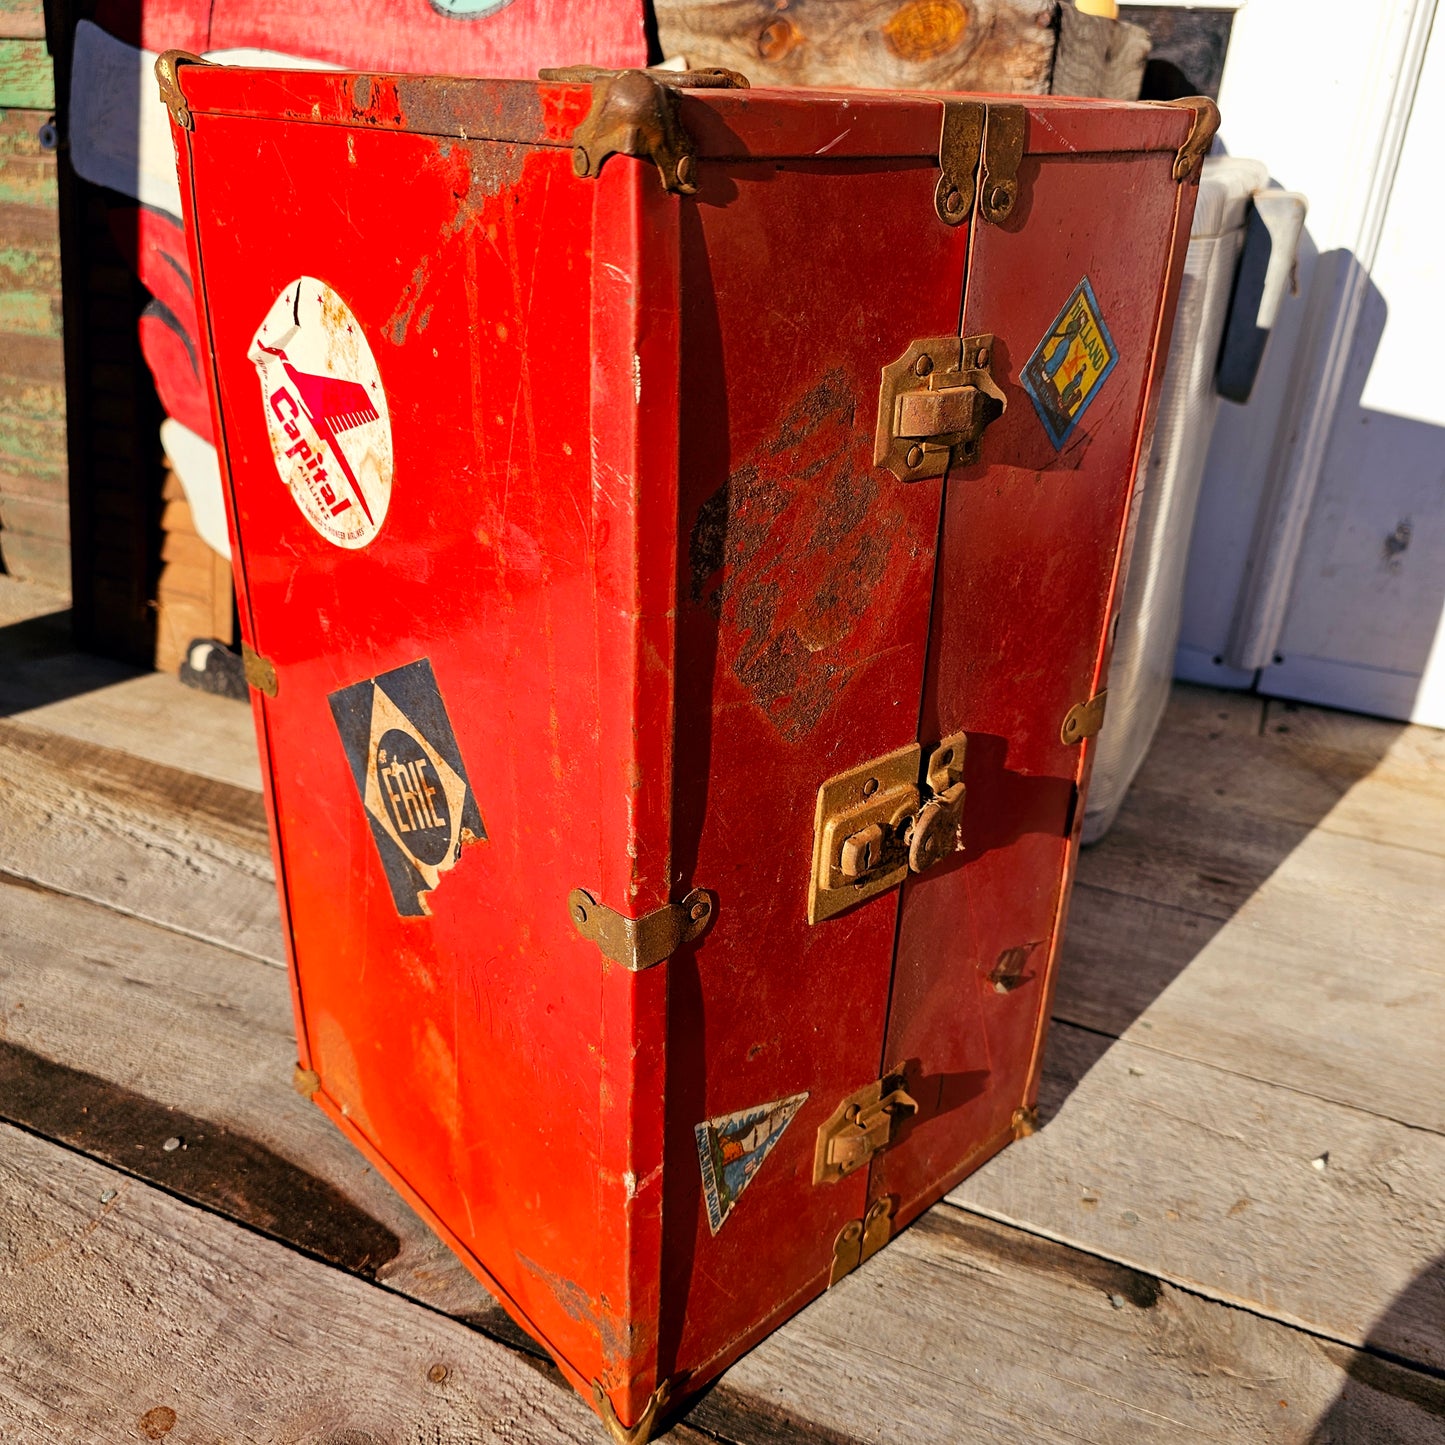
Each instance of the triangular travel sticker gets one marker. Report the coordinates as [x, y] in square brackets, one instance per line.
[731, 1150]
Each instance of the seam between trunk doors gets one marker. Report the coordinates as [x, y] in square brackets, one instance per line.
[902, 893]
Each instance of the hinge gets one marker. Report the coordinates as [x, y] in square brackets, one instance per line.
[860, 1126]
[960, 144]
[934, 404]
[980, 147]
[635, 113]
[167, 77]
[879, 821]
[861, 1239]
[260, 671]
[641, 1430]
[1084, 719]
[1003, 152]
[638, 943]
[1189, 156]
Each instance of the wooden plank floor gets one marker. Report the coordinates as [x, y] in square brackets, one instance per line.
[1230, 1227]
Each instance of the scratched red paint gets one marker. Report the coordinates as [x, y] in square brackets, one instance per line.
[636, 533]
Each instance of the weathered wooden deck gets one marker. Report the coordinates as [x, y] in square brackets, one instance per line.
[1230, 1228]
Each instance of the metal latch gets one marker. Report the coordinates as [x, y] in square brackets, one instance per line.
[860, 1126]
[878, 821]
[933, 406]
[638, 943]
[635, 113]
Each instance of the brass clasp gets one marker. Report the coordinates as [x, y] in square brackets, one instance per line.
[860, 1126]
[934, 404]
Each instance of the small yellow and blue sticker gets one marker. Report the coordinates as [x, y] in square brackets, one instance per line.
[731, 1150]
[1070, 365]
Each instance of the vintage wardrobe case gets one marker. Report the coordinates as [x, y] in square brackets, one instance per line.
[677, 530]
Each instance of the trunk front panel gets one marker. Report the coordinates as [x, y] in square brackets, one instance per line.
[804, 595]
[1029, 548]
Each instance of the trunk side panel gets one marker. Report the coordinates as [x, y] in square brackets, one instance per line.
[461, 1047]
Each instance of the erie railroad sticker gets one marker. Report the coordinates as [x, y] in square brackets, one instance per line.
[409, 772]
[1070, 365]
[731, 1150]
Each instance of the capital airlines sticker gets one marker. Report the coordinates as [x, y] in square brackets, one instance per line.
[1070, 365]
[409, 772]
[325, 412]
[731, 1150]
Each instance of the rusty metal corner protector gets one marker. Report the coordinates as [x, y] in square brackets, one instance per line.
[635, 113]
[168, 78]
[642, 1430]
[1190, 156]
[638, 943]
[306, 1082]
[1026, 1121]
[260, 671]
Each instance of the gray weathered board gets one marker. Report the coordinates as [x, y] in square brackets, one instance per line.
[1174, 1180]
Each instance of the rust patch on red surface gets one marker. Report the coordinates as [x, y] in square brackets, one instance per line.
[801, 556]
[375, 101]
[450, 105]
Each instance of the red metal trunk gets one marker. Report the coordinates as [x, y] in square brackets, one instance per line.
[571, 580]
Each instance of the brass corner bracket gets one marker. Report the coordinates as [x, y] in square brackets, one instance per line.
[638, 943]
[635, 113]
[1026, 1121]
[642, 1430]
[306, 1082]
[168, 78]
[1201, 134]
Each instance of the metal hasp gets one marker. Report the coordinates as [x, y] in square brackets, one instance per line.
[634, 113]
[934, 404]
[167, 66]
[638, 943]
[860, 1126]
[1190, 155]
[877, 822]
[1084, 719]
[861, 1239]
[979, 150]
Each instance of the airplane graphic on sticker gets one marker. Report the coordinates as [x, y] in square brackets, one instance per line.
[731, 1150]
[1070, 364]
[326, 412]
[410, 775]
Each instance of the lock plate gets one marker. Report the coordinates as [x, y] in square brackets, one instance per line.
[934, 404]
[880, 795]
[883, 819]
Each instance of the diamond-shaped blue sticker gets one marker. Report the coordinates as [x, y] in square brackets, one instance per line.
[1070, 365]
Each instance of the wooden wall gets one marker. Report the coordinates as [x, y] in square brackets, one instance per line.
[34, 507]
